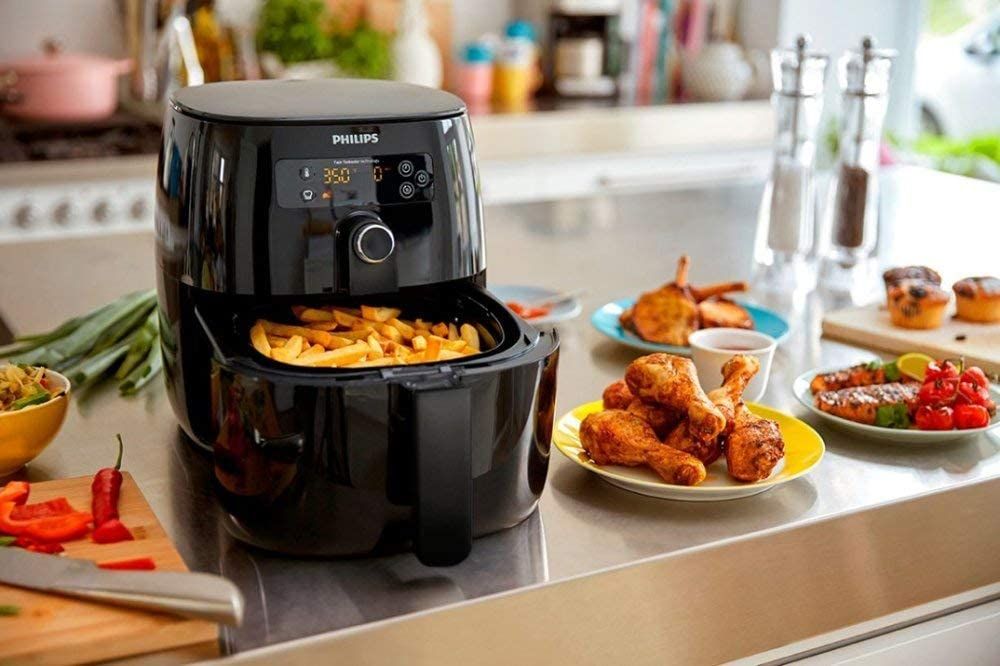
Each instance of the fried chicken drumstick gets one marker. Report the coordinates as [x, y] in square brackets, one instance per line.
[736, 374]
[616, 437]
[671, 381]
[754, 447]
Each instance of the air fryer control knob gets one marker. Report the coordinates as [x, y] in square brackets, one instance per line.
[374, 242]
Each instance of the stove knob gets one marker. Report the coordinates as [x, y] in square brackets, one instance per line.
[373, 243]
[25, 216]
[62, 213]
[101, 212]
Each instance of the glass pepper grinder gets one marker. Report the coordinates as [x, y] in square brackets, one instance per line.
[852, 213]
[787, 215]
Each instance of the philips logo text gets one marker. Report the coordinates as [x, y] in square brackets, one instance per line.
[344, 139]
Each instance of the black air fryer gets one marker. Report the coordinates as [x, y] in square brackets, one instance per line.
[343, 192]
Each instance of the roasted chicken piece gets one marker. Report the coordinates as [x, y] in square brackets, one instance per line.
[617, 395]
[667, 315]
[736, 374]
[661, 419]
[722, 313]
[615, 437]
[754, 447]
[862, 374]
[860, 403]
[671, 381]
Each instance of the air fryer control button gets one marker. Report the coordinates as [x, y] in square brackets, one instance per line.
[422, 178]
[307, 195]
[305, 173]
[373, 243]
[406, 190]
[405, 168]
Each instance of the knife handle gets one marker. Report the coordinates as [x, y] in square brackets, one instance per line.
[195, 595]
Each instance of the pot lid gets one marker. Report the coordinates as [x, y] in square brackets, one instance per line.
[52, 59]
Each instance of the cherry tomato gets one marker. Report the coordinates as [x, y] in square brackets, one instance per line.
[940, 370]
[976, 376]
[939, 391]
[934, 418]
[971, 416]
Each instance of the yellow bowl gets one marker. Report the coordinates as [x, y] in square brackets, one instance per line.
[25, 433]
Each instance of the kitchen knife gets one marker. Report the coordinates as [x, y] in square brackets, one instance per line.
[195, 595]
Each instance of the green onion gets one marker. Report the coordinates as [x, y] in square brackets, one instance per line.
[116, 340]
[7, 610]
[36, 398]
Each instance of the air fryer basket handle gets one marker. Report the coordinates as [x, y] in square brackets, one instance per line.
[443, 511]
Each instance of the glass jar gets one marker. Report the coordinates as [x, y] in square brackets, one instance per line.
[853, 207]
[787, 215]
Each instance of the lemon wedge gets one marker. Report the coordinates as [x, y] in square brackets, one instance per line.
[913, 365]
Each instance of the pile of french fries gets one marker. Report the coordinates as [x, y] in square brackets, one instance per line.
[333, 337]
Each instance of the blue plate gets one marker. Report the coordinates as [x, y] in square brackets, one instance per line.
[605, 320]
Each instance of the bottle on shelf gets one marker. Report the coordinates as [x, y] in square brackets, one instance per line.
[783, 248]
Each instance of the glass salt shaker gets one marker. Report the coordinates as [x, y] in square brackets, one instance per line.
[787, 215]
[852, 212]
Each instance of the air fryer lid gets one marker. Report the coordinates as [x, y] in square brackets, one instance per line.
[325, 101]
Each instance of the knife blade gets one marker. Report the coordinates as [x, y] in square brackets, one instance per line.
[196, 595]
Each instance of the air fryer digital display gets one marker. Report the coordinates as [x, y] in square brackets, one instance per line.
[351, 181]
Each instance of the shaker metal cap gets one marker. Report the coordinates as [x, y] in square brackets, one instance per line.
[866, 71]
[798, 71]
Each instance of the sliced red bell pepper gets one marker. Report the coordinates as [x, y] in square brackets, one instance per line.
[59, 506]
[38, 546]
[112, 531]
[133, 564]
[53, 528]
[15, 491]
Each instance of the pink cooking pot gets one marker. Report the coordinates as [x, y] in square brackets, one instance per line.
[58, 86]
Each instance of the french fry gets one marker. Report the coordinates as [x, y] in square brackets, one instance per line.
[312, 351]
[440, 330]
[277, 340]
[373, 363]
[314, 315]
[379, 314]
[346, 318]
[471, 336]
[337, 357]
[454, 345]
[390, 332]
[376, 348]
[259, 339]
[290, 351]
[419, 342]
[328, 340]
[323, 325]
[404, 329]
[452, 331]
[433, 349]
[448, 355]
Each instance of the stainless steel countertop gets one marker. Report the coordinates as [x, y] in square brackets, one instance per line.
[613, 247]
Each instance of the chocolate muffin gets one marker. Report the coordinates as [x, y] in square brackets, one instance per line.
[917, 304]
[978, 299]
[894, 275]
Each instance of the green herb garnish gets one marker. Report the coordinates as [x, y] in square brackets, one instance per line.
[873, 365]
[6, 541]
[7, 610]
[891, 371]
[893, 416]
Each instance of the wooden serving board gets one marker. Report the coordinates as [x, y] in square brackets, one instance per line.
[869, 326]
[52, 629]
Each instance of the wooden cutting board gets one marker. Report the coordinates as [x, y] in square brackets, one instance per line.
[869, 326]
[51, 629]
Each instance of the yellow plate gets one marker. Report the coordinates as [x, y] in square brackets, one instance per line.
[804, 449]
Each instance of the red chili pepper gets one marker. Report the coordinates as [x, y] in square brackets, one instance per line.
[934, 418]
[971, 416]
[112, 531]
[105, 489]
[15, 491]
[940, 391]
[134, 564]
[53, 528]
[54, 507]
[38, 546]
[940, 370]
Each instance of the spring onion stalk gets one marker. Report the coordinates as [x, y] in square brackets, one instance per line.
[120, 340]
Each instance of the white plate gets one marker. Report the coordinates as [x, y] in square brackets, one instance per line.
[911, 437]
[804, 449]
[562, 311]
